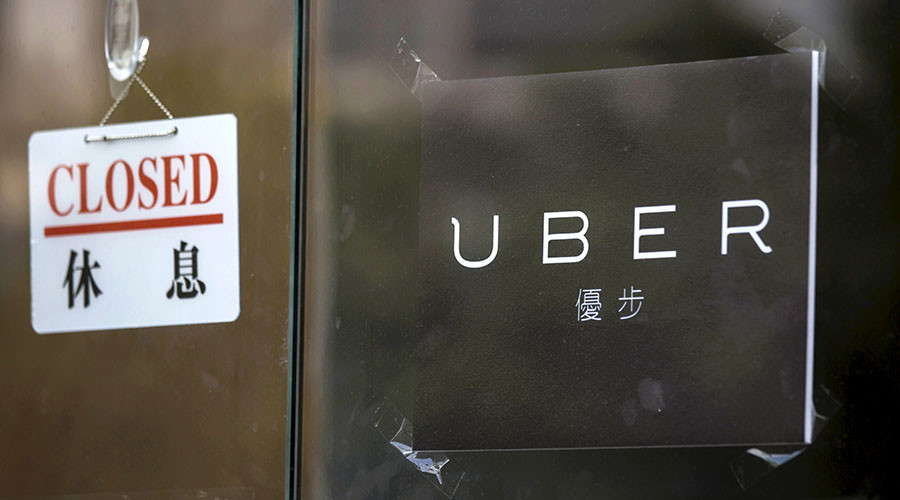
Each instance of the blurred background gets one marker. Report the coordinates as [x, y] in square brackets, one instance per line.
[361, 262]
[200, 407]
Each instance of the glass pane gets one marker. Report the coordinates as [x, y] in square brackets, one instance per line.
[199, 410]
[368, 145]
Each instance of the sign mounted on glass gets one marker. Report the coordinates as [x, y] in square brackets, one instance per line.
[130, 229]
[619, 258]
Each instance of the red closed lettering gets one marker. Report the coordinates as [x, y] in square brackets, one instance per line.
[170, 179]
[148, 183]
[153, 184]
[213, 177]
[82, 179]
[129, 190]
[51, 189]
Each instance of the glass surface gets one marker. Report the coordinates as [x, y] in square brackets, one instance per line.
[362, 215]
[197, 411]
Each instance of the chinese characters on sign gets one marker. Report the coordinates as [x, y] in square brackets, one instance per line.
[86, 281]
[629, 301]
[185, 280]
[185, 284]
[589, 304]
[80, 281]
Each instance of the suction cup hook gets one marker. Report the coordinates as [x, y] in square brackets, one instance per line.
[125, 48]
[126, 56]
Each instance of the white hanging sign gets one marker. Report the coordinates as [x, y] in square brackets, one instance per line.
[134, 225]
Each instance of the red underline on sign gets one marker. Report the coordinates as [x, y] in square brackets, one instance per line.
[132, 225]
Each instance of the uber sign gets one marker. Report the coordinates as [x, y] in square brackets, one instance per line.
[131, 230]
[619, 258]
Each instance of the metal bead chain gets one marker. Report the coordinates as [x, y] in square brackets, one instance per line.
[124, 93]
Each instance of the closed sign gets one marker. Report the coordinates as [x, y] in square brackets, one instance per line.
[134, 232]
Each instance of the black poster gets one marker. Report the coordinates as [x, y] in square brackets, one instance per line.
[618, 258]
